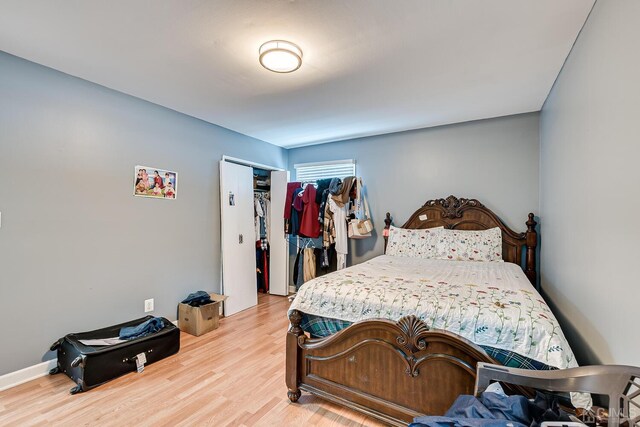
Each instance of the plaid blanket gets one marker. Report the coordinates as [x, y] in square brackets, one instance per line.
[319, 327]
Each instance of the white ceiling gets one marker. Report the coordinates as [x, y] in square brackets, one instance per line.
[370, 66]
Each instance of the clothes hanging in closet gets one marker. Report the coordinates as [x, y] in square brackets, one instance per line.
[296, 211]
[322, 185]
[262, 218]
[306, 267]
[309, 225]
[298, 269]
[328, 223]
[342, 194]
[328, 262]
[339, 214]
[262, 265]
[338, 206]
[309, 264]
[328, 227]
[259, 213]
[262, 233]
[320, 210]
[291, 186]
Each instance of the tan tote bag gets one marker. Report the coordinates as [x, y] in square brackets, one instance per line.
[360, 228]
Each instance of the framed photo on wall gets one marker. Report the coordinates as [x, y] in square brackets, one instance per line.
[155, 183]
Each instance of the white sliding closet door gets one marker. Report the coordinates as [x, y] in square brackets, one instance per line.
[238, 237]
[278, 244]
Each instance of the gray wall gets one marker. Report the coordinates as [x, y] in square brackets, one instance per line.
[77, 250]
[589, 179]
[495, 161]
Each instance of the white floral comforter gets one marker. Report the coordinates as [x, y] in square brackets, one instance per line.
[489, 303]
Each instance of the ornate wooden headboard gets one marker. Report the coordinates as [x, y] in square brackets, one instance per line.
[470, 214]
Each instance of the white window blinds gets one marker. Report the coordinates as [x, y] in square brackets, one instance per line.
[311, 172]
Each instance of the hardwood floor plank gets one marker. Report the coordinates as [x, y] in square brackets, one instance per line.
[213, 381]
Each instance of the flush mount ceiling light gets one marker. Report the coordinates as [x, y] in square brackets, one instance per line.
[280, 56]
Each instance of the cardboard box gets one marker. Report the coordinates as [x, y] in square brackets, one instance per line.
[200, 320]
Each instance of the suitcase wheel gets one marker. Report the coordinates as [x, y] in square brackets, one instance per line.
[54, 371]
[55, 345]
[76, 389]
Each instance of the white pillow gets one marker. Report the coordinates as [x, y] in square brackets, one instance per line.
[413, 243]
[470, 245]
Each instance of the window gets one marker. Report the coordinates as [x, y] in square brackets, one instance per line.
[311, 172]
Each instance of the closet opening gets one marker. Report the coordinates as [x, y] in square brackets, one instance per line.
[262, 220]
[255, 252]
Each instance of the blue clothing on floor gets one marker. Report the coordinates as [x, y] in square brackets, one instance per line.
[489, 410]
[150, 326]
[197, 299]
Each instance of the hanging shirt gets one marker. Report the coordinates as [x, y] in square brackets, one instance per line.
[309, 225]
[295, 212]
[323, 204]
[321, 186]
[328, 228]
[288, 206]
[259, 213]
[291, 186]
[340, 224]
[266, 207]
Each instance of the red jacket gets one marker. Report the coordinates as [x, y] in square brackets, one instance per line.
[309, 225]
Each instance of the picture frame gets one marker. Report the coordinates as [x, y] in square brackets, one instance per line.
[155, 183]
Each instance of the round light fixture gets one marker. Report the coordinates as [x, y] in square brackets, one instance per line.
[280, 56]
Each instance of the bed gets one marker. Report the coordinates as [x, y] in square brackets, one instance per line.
[410, 332]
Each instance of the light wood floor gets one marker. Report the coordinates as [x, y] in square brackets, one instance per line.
[212, 381]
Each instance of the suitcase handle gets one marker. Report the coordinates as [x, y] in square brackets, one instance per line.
[134, 358]
[78, 361]
[56, 345]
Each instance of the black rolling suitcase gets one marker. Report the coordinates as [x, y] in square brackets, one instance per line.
[92, 365]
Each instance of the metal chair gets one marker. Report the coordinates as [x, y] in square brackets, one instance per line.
[620, 383]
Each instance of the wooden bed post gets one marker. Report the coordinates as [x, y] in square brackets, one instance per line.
[385, 233]
[292, 376]
[532, 243]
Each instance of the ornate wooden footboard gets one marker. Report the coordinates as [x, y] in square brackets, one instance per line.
[393, 371]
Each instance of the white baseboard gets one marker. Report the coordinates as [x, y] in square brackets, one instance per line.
[292, 289]
[22, 376]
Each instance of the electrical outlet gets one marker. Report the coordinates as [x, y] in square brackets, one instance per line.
[148, 305]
